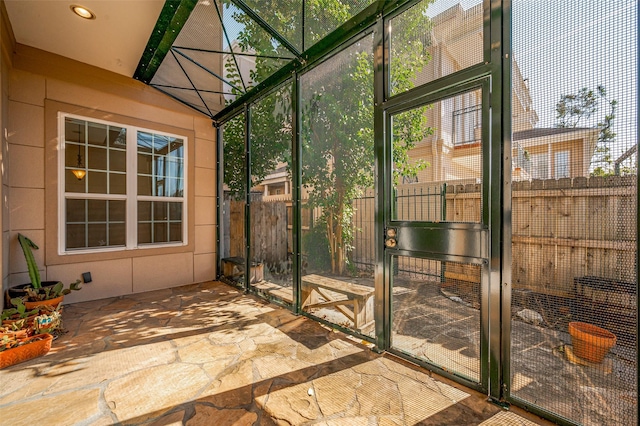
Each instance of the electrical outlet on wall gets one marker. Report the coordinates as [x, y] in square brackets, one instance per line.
[86, 277]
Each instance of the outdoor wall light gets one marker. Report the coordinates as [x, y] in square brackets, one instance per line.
[82, 12]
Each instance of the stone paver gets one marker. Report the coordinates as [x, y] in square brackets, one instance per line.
[207, 355]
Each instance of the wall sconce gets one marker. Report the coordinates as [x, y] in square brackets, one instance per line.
[79, 172]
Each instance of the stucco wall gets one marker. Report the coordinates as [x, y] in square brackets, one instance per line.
[6, 47]
[42, 84]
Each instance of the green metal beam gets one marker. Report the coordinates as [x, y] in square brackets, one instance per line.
[172, 18]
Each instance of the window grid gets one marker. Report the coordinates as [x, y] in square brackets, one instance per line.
[110, 224]
[87, 218]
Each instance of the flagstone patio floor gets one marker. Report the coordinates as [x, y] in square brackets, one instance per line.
[206, 354]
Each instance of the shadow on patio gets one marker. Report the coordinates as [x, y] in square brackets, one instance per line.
[207, 355]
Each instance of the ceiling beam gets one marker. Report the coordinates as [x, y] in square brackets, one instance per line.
[172, 18]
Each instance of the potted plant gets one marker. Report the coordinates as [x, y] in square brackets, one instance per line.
[591, 342]
[49, 321]
[38, 292]
[14, 350]
[18, 317]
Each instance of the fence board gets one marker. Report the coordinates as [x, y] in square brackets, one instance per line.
[558, 234]
[236, 229]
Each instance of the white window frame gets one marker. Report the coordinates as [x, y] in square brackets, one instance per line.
[566, 165]
[538, 160]
[131, 197]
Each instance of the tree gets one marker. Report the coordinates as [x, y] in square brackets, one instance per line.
[579, 108]
[336, 115]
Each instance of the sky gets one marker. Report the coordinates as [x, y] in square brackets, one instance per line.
[563, 46]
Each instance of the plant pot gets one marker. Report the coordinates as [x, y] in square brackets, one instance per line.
[17, 334]
[19, 290]
[28, 321]
[50, 302]
[32, 347]
[590, 342]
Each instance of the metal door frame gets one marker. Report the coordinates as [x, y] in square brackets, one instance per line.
[444, 241]
[494, 76]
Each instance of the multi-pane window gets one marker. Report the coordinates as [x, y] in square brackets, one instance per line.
[160, 177]
[540, 166]
[122, 186]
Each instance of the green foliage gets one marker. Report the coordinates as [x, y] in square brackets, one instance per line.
[234, 156]
[578, 108]
[32, 266]
[336, 112]
[47, 293]
[270, 141]
[18, 312]
[316, 247]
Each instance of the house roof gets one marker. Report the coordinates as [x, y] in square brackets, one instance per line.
[547, 131]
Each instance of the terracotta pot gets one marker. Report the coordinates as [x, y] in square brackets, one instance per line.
[33, 347]
[50, 302]
[28, 321]
[590, 342]
[19, 290]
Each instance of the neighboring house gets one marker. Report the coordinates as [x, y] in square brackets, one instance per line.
[277, 185]
[453, 151]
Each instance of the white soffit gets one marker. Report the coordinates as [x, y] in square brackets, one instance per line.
[113, 41]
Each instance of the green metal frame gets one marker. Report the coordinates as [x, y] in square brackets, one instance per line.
[494, 75]
[247, 199]
[172, 18]
[296, 155]
[500, 193]
[219, 198]
[382, 312]
[318, 51]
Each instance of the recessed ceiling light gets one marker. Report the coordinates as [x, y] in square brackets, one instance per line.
[83, 12]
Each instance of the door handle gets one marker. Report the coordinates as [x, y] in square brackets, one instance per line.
[390, 235]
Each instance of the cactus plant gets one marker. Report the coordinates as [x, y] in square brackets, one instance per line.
[36, 292]
[32, 266]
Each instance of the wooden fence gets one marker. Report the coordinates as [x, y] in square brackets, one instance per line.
[562, 229]
[268, 231]
[570, 228]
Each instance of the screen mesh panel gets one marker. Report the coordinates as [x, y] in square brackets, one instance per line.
[436, 38]
[271, 230]
[574, 246]
[283, 17]
[437, 161]
[337, 169]
[436, 313]
[233, 244]
[322, 17]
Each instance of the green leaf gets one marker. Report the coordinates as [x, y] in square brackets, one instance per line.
[34, 273]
